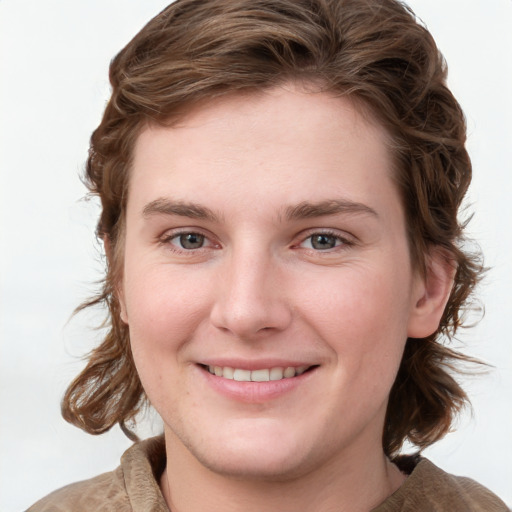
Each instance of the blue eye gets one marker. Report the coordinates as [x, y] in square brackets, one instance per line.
[190, 241]
[188, 244]
[322, 242]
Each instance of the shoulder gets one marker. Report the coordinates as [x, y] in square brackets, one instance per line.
[429, 488]
[103, 493]
[132, 486]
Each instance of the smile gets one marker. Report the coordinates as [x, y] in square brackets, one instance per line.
[263, 375]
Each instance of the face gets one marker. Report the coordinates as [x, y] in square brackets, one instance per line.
[267, 283]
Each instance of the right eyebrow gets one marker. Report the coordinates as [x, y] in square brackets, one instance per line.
[165, 206]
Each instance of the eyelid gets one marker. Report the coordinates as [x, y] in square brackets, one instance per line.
[170, 234]
[347, 240]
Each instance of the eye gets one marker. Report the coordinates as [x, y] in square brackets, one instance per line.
[323, 241]
[189, 241]
[185, 241]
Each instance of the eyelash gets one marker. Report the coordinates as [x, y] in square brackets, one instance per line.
[167, 238]
[344, 241]
[340, 241]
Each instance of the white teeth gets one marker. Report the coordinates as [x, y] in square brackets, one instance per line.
[242, 375]
[289, 372]
[228, 373]
[260, 375]
[263, 375]
[276, 374]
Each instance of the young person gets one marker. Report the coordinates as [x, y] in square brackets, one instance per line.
[280, 182]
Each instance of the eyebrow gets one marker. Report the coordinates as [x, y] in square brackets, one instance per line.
[303, 210]
[163, 206]
[307, 210]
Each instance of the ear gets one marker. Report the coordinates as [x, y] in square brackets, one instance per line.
[431, 293]
[119, 290]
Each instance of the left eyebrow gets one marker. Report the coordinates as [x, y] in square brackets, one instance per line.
[307, 210]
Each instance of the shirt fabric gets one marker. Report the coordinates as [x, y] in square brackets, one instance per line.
[133, 487]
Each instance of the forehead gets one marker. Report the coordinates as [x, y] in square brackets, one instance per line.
[286, 143]
[288, 117]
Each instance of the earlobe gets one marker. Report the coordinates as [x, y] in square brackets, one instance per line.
[431, 294]
[119, 287]
[122, 306]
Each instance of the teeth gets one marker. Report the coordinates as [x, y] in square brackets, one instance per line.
[263, 375]
[289, 372]
[228, 373]
[242, 375]
[300, 370]
[260, 375]
[276, 374]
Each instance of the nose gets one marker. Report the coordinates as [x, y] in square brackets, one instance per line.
[251, 300]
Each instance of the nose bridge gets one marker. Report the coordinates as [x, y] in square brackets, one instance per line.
[251, 297]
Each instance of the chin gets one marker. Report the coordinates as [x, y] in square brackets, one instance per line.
[255, 452]
[249, 465]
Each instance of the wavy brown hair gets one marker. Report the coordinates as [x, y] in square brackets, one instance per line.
[374, 51]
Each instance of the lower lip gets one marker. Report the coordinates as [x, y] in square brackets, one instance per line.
[254, 392]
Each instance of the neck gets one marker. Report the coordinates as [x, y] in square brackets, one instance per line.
[342, 484]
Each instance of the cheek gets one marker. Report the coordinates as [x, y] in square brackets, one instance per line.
[162, 311]
[359, 299]
[362, 314]
[163, 316]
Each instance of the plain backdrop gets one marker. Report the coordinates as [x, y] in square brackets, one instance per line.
[53, 88]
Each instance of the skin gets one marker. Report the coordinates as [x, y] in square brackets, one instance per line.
[262, 287]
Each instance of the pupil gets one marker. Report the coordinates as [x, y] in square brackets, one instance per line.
[191, 241]
[323, 242]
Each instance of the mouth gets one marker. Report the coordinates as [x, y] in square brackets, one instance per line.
[259, 375]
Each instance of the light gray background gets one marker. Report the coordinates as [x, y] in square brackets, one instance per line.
[53, 88]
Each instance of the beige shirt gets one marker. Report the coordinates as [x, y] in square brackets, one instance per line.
[133, 487]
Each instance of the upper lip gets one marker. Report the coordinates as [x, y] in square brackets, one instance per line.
[256, 364]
